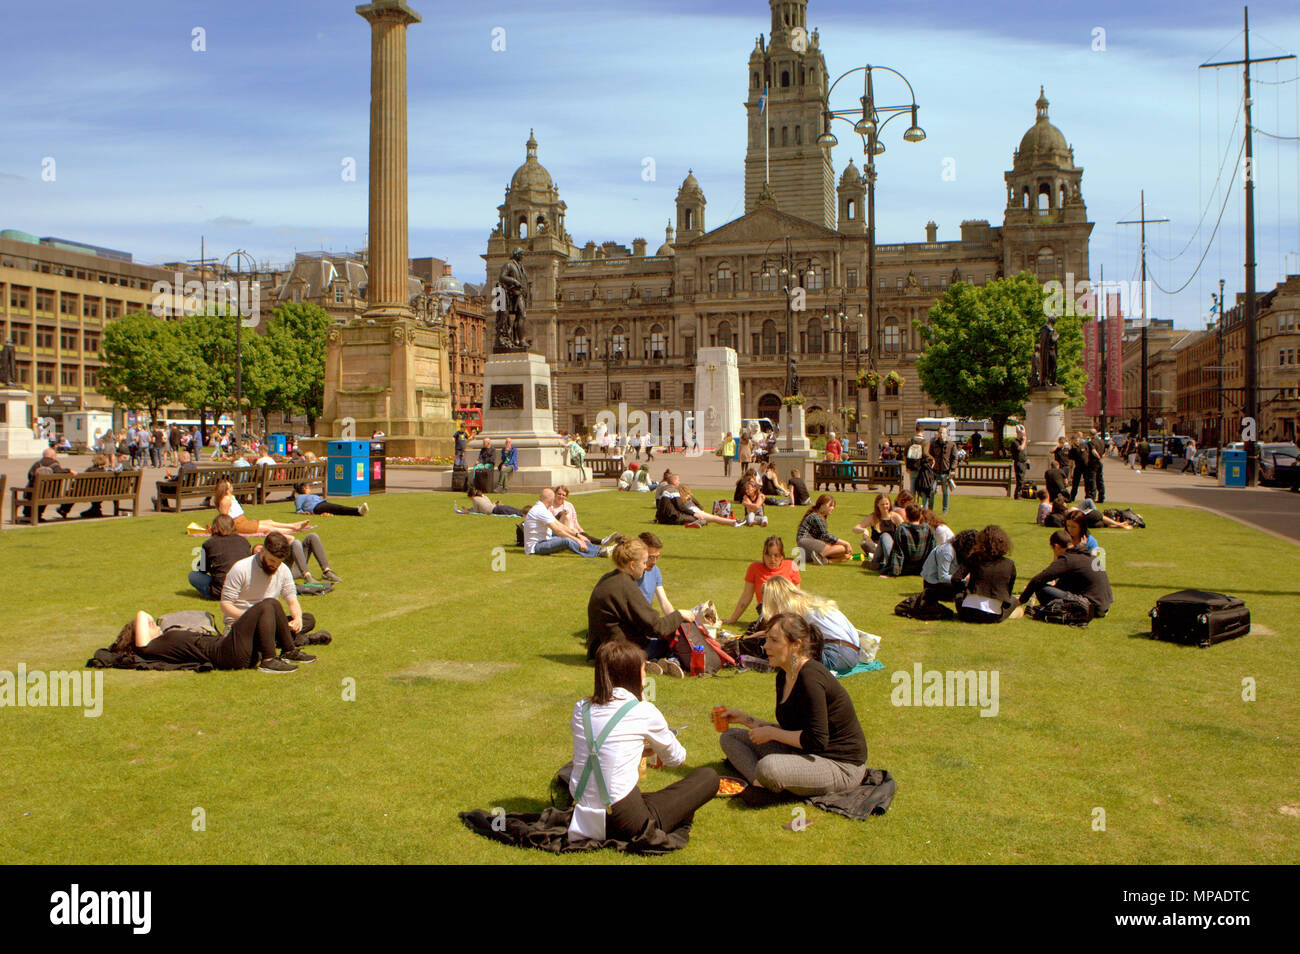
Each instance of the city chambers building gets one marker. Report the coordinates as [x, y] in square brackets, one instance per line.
[623, 325]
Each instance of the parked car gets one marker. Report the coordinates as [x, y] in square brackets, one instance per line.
[1279, 465]
[1207, 462]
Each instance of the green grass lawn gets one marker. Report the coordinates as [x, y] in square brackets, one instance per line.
[286, 770]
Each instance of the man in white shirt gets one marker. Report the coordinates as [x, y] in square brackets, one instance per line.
[266, 576]
[543, 533]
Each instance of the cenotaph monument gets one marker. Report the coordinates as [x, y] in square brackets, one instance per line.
[717, 395]
[1045, 409]
[16, 437]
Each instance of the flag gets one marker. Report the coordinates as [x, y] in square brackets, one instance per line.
[762, 102]
[1090, 365]
[1114, 355]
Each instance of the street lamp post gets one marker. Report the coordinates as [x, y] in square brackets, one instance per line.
[868, 119]
[839, 324]
[239, 255]
[787, 264]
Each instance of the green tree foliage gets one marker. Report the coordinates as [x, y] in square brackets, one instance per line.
[209, 338]
[297, 336]
[979, 349]
[145, 364]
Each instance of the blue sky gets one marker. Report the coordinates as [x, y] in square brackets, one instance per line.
[156, 144]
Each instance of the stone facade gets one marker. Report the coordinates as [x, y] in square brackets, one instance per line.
[623, 325]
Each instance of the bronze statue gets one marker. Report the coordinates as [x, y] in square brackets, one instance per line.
[1047, 344]
[512, 281]
[794, 378]
[8, 363]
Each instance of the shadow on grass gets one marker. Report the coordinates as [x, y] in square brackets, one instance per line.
[1165, 586]
[567, 659]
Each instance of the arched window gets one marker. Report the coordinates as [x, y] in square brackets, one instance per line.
[771, 135]
[688, 219]
[1044, 198]
[1025, 198]
[522, 231]
[769, 337]
[580, 344]
[798, 135]
[893, 335]
[724, 334]
[658, 347]
[803, 76]
[1046, 264]
[852, 208]
[815, 336]
[785, 135]
[755, 81]
[1061, 204]
[785, 77]
[618, 342]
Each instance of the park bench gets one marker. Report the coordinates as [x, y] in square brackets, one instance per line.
[245, 483]
[285, 476]
[95, 487]
[611, 467]
[827, 472]
[985, 475]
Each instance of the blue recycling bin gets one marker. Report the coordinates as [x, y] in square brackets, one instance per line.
[1232, 469]
[347, 473]
[279, 444]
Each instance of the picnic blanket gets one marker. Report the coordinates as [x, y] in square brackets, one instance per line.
[860, 667]
[549, 831]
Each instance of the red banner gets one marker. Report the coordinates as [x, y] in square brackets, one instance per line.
[1090, 366]
[1114, 356]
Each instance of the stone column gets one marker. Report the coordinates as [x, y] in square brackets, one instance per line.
[387, 295]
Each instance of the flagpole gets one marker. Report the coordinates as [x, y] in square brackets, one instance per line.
[767, 142]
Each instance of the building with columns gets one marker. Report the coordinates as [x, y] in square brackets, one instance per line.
[620, 324]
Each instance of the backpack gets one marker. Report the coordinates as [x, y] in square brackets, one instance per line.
[925, 480]
[916, 607]
[519, 534]
[914, 455]
[1072, 610]
[722, 508]
[1135, 518]
[691, 633]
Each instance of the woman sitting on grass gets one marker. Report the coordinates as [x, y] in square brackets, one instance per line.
[677, 507]
[816, 746]
[567, 514]
[775, 493]
[991, 584]
[877, 530]
[228, 505]
[841, 647]
[617, 609]
[221, 550]
[942, 532]
[816, 540]
[1076, 525]
[773, 564]
[1056, 519]
[255, 635]
[752, 501]
[612, 730]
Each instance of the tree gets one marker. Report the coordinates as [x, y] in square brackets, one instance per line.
[145, 365]
[297, 336]
[979, 348]
[209, 338]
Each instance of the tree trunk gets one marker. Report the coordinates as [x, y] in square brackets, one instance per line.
[999, 423]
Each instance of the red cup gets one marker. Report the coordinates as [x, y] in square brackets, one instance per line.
[720, 718]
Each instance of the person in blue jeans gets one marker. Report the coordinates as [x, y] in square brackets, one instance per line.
[543, 533]
[841, 644]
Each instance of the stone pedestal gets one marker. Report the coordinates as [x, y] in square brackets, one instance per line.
[793, 436]
[16, 437]
[717, 395]
[1044, 423]
[518, 404]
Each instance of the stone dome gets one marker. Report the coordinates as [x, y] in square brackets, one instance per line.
[1043, 141]
[850, 176]
[690, 185]
[532, 175]
[667, 247]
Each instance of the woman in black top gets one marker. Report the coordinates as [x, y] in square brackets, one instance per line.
[816, 746]
[220, 552]
[256, 633]
[991, 584]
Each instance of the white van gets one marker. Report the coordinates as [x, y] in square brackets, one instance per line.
[931, 426]
[757, 425]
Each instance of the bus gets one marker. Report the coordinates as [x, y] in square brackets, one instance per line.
[931, 426]
[471, 418]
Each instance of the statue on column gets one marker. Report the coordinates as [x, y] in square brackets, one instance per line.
[1047, 345]
[794, 378]
[8, 363]
[511, 314]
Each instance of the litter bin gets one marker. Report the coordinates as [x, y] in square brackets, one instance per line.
[459, 478]
[378, 467]
[279, 444]
[1232, 469]
[347, 473]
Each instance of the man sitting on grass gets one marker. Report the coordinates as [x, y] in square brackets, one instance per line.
[913, 541]
[544, 533]
[262, 576]
[617, 608]
[1075, 571]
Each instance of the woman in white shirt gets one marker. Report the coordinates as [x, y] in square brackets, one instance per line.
[843, 647]
[619, 729]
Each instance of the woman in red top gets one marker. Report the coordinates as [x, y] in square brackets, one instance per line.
[773, 564]
[834, 449]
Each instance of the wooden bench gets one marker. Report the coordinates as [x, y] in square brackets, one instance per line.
[245, 482]
[985, 475]
[95, 487]
[610, 467]
[285, 476]
[827, 472]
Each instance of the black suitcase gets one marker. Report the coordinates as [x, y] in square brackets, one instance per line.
[459, 479]
[1197, 618]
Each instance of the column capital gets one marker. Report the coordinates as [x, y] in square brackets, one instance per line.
[391, 10]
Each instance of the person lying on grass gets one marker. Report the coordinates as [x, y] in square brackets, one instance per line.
[841, 646]
[251, 641]
[612, 730]
[227, 504]
[774, 563]
[305, 502]
[617, 609]
[677, 507]
[816, 745]
[482, 503]
[1094, 518]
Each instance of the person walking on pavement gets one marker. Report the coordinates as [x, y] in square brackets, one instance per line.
[944, 453]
